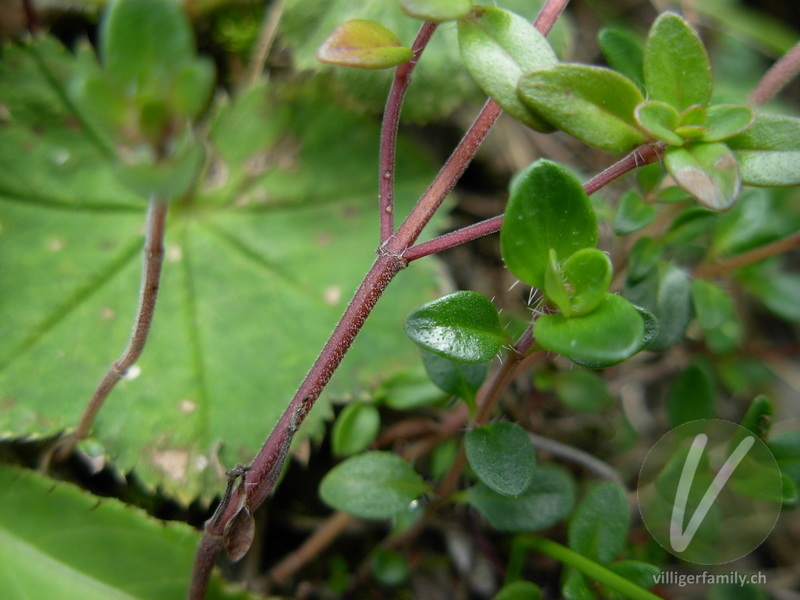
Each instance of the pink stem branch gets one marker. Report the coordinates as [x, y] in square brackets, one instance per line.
[644, 155]
[781, 73]
[391, 121]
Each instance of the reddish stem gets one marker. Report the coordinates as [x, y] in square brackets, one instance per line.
[261, 476]
[391, 121]
[644, 155]
[781, 73]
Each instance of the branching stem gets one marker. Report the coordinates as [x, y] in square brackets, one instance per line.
[391, 121]
[148, 293]
[644, 155]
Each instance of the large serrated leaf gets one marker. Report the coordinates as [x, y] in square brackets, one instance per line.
[593, 104]
[259, 266]
[57, 541]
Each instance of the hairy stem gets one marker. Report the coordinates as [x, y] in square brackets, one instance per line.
[487, 400]
[644, 155]
[391, 121]
[261, 477]
[151, 277]
[781, 73]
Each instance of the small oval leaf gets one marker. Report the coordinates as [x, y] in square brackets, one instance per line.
[599, 526]
[587, 274]
[593, 104]
[623, 52]
[769, 152]
[548, 500]
[548, 209]
[502, 456]
[462, 326]
[727, 120]
[632, 214]
[365, 45]
[659, 119]
[456, 378]
[708, 171]
[355, 428]
[498, 46]
[436, 11]
[373, 485]
[613, 332]
[676, 66]
[664, 292]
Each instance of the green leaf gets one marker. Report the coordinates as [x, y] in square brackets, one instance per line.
[769, 152]
[456, 378]
[777, 289]
[659, 120]
[676, 66]
[57, 541]
[716, 315]
[690, 397]
[613, 332]
[498, 46]
[664, 292]
[587, 275]
[692, 122]
[548, 209]
[436, 11]
[373, 485]
[355, 428]
[408, 390]
[643, 258]
[144, 43]
[727, 120]
[641, 573]
[547, 501]
[502, 456]
[590, 103]
[582, 390]
[555, 288]
[785, 447]
[389, 567]
[363, 44]
[736, 591]
[758, 417]
[708, 171]
[632, 214]
[192, 88]
[519, 590]
[461, 326]
[623, 52]
[165, 178]
[261, 258]
[599, 526]
[576, 586]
